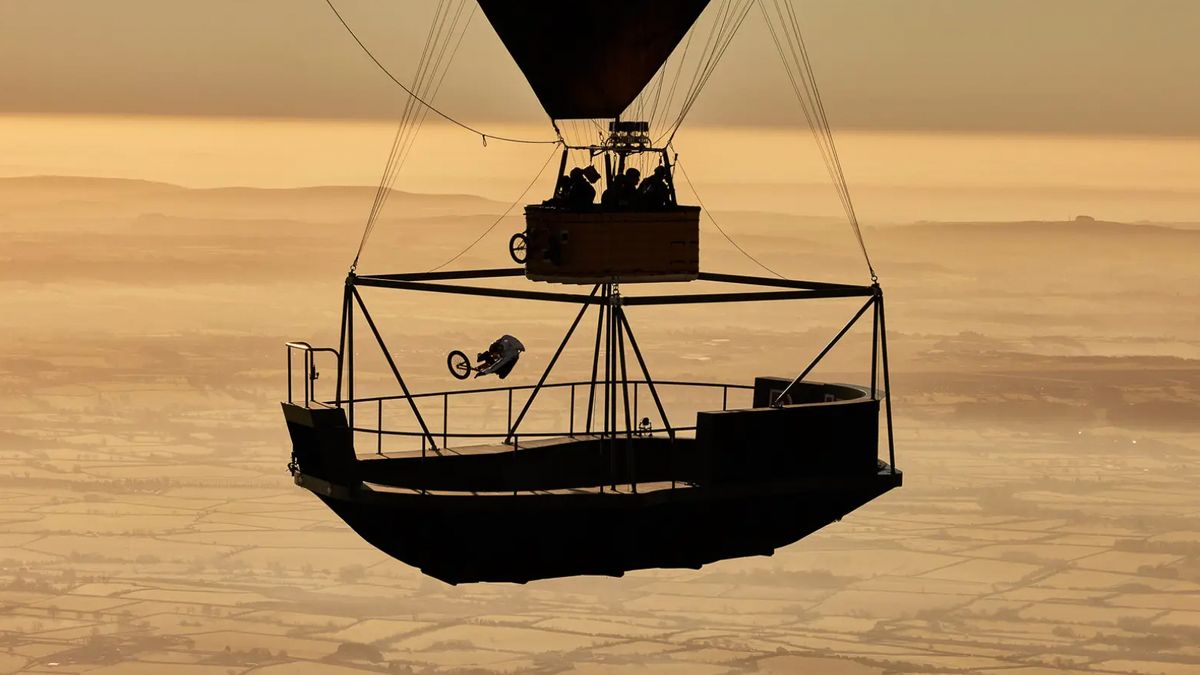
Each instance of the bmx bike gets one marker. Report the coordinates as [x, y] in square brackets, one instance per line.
[460, 366]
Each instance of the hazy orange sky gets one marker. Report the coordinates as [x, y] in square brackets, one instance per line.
[1073, 66]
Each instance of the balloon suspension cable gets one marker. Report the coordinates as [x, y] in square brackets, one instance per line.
[431, 72]
[789, 41]
[504, 215]
[679, 167]
[482, 134]
[726, 25]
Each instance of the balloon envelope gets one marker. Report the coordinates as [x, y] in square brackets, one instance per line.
[590, 58]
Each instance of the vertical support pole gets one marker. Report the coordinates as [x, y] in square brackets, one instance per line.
[875, 348]
[596, 361]
[308, 369]
[613, 309]
[666, 158]
[635, 393]
[887, 384]
[379, 428]
[510, 408]
[445, 419]
[607, 360]
[610, 402]
[562, 168]
[341, 353]
[571, 413]
[350, 359]
[724, 397]
[630, 465]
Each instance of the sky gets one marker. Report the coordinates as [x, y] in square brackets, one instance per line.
[1101, 67]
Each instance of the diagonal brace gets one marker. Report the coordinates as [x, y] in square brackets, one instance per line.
[787, 390]
[549, 367]
[395, 371]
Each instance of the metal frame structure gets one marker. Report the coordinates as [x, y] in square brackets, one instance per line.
[613, 330]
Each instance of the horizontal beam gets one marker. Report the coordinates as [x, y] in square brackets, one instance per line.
[754, 296]
[803, 290]
[451, 274]
[384, 282]
[778, 283]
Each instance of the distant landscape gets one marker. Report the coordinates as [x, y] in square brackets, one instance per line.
[1046, 377]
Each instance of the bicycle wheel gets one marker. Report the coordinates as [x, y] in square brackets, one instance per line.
[459, 364]
[518, 248]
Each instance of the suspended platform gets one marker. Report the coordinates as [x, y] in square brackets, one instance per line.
[604, 493]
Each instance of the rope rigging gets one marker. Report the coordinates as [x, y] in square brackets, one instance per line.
[729, 20]
[445, 36]
[431, 70]
[518, 200]
[414, 115]
[804, 85]
[679, 168]
[421, 100]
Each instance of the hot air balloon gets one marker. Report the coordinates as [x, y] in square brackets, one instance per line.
[625, 484]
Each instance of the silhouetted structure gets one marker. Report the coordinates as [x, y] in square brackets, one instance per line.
[601, 494]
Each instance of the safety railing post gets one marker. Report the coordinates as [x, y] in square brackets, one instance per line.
[445, 418]
[379, 428]
[510, 424]
[308, 361]
[289, 372]
[724, 398]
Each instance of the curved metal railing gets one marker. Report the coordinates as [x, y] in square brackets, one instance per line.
[510, 435]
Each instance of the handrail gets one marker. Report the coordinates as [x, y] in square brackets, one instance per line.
[505, 436]
[524, 434]
[554, 385]
[309, 369]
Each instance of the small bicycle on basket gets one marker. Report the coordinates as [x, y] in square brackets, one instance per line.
[518, 248]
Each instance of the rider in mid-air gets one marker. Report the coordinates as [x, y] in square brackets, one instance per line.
[500, 357]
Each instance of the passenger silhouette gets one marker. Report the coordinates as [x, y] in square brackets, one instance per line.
[582, 194]
[612, 194]
[561, 189]
[654, 192]
[627, 197]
